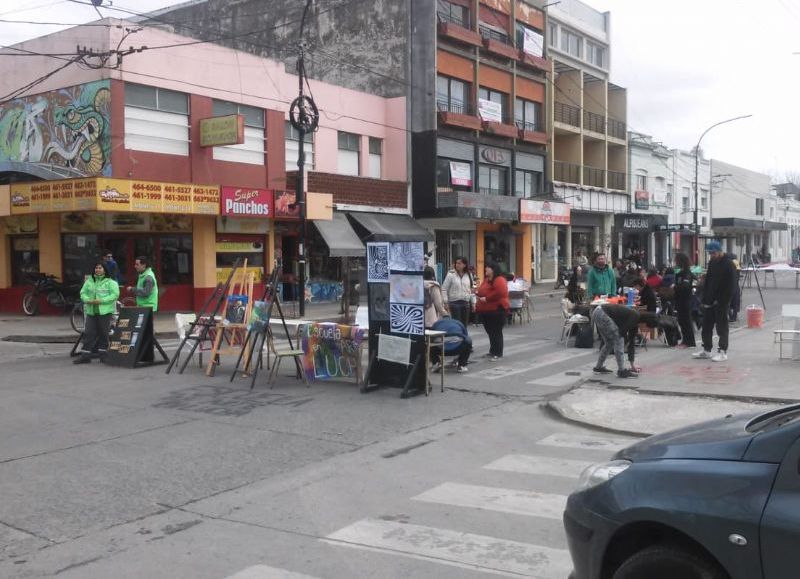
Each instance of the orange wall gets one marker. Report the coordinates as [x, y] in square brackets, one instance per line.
[530, 16]
[532, 91]
[503, 6]
[494, 78]
[455, 66]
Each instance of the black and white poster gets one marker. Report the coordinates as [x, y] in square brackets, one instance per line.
[378, 262]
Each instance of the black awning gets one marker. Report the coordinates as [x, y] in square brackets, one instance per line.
[390, 227]
[747, 225]
[338, 234]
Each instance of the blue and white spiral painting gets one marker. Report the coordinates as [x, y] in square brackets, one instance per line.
[407, 319]
[377, 262]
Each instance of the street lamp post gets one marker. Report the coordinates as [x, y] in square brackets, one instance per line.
[696, 193]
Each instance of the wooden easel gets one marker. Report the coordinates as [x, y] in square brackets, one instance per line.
[203, 328]
[252, 351]
[234, 333]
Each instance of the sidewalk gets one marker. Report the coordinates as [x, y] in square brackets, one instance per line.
[57, 330]
[674, 389]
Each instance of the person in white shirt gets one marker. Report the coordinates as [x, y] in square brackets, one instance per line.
[458, 290]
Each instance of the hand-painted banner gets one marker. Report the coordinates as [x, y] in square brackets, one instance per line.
[331, 350]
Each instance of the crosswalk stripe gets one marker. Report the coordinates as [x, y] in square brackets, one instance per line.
[465, 550]
[540, 465]
[517, 502]
[266, 572]
[568, 440]
[500, 372]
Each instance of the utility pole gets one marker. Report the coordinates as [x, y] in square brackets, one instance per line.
[304, 117]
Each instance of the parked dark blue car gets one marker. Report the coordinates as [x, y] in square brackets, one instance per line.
[717, 500]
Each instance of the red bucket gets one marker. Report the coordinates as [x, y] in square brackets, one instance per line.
[755, 316]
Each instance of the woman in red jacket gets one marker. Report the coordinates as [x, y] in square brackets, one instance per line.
[493, 307]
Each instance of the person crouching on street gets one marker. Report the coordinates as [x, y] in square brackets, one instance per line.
[493, 307]
[99, 296]
[616, 324]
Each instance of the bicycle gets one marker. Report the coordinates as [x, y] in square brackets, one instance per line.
[77, 318]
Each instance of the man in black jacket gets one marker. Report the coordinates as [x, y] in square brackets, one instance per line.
[717, 293]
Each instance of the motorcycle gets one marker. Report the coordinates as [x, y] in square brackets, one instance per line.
[57, 293]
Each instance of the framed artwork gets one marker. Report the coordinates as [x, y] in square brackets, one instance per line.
[406, 256]
[378, 262]
[407, 319]
[407, 288]
[379, 302]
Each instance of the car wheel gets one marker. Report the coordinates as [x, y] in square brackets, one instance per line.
[668, 562]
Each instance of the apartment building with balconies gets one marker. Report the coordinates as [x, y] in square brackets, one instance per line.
[588, 155]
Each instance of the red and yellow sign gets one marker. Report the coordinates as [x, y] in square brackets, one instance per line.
[113, 195]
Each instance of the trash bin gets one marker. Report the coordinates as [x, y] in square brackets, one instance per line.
[755, 316]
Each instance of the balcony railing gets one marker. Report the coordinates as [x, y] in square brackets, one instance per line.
[492, 191]
[492, 34]
[453, 19]
[594, 122]
[593, 177]
[616, 180]
[616, 129]
[527, 125]
[568, 114]
[445, 106]
[567, 172]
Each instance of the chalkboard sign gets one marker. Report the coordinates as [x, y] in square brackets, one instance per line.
[132, 343]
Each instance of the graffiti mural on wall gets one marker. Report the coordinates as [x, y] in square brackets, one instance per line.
[68, 128]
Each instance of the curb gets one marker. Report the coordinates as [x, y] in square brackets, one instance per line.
[71, 339]
[557, 411]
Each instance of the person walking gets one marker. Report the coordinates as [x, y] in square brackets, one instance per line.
[112, 267]
[684, 283]
[617, 325]
[146, 290]
[493, 307]
[457, 289]
[717, 293]
[434, 303]
[99, 296]
[601, 279]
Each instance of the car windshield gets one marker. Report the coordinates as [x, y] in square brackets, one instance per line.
[773, 419]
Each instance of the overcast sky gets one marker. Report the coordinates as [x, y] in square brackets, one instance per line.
[686, 64]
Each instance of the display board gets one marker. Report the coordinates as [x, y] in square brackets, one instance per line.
[133, 342]
[331, 351]
[396, 300]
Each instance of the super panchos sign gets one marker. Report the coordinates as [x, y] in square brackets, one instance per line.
[246, 202]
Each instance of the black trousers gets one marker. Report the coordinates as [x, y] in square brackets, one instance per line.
[95, 335]
[716, 315]
[460, 311]
[684, 310]
[493, 323]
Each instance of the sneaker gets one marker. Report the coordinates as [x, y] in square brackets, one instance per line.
[495, 358]
[463, 369]
[454, 363]
[602, 370]
[720, 356]
[701, 355]
[436, 368]
[625, 373]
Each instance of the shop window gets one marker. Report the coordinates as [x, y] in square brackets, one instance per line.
[156, 120]
[231, 248]
[293, 148]
[527, 115]
[81, 251]
[493, 180]
[349, 153]
[175, 259]
[375, 146]
[252, 150]
[452, 95]
[24, 258]
[527, 183]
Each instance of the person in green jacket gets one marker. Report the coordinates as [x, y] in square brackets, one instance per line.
[601, 279]
[99, 296]
[146, 290]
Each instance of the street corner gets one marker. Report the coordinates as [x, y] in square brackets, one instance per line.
[626, 410]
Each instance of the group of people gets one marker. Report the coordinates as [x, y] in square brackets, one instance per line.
[448, 308]
[99, 294]
[713, 296]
